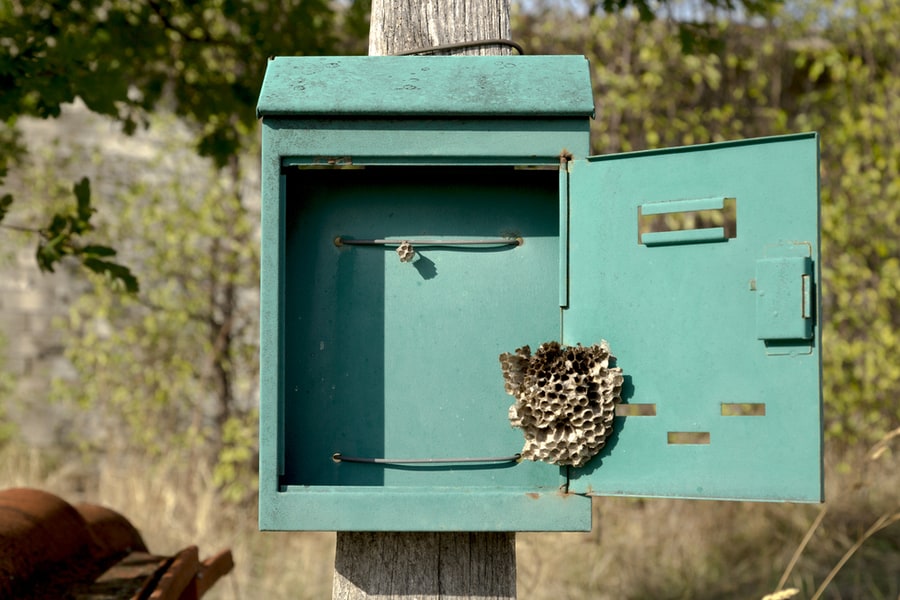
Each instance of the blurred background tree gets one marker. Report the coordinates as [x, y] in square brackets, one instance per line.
[202, 61]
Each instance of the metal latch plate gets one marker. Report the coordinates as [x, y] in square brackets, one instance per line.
[784, 298]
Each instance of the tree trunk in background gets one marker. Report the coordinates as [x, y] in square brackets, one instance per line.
[429, 566]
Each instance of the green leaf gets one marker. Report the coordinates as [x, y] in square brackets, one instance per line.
[48, 252]
[5, 202]
[699, 38]
[59, 225]
[97, 250]
[116, 272]
[82, 191]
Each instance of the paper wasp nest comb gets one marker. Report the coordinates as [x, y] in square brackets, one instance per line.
[566, 400]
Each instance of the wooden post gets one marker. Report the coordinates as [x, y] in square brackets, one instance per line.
[429, 566]
[425, 566]
[401, 25]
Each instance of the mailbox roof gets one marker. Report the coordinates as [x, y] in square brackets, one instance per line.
[427, 86]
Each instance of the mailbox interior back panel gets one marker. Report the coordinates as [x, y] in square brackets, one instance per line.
[391, 359]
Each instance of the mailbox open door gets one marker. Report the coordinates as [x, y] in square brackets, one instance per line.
[700, 267]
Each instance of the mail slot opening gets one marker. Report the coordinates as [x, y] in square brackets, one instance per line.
[403, 284]
[687, 221]
[688, 438]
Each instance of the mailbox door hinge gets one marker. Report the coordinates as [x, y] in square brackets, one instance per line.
[784, 286]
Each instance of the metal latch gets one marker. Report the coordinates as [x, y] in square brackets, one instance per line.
[784, 298]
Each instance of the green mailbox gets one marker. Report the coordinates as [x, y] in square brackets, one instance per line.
[422, 216]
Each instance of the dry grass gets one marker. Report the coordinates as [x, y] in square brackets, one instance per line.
[674, 549]
[638, 548]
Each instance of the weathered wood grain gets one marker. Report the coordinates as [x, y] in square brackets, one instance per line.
[425, 566]
[401, 25]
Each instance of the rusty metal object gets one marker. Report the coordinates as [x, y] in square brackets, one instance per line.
[51, 549]
[178, 579]
[42, 538]
[133, 577]
[111, 529]
[213, 569]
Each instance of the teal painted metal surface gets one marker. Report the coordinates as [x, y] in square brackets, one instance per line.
[428, 141]
[684, 236]
[378, 508]
[683, 320]
[390, 359]
[401, 358]
[365, 355]
[438, 86]
[685, 260]
[784, 297]
[563, 235]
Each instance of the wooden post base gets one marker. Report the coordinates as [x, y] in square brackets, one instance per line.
[425, 566]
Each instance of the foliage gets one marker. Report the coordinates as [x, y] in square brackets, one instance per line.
[60, 238]
[235, 470]
[201, 60]
[815, 65]
[64, 234]
[173, 367]
[856, 83]
[5, 203]
[647, 9]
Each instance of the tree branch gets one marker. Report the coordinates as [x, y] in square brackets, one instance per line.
[20, 228]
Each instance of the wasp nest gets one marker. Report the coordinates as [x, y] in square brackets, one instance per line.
[406, 252]
[566, 400]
